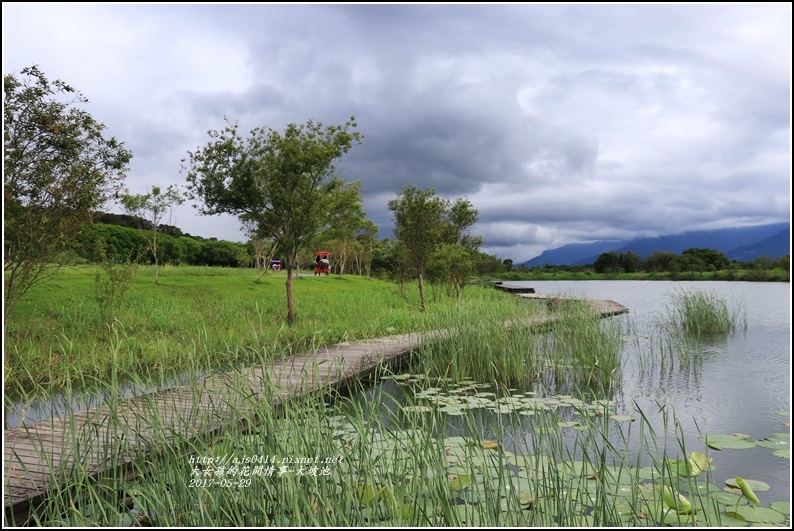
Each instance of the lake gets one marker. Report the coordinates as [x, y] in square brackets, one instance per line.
[735, 383]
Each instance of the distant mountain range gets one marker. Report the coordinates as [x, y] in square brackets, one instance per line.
[740, 244]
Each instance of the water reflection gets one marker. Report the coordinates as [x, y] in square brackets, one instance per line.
[719, 384]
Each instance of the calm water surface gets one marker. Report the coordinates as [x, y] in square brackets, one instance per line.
[739, 383]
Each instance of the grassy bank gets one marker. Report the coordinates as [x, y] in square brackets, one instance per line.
[80, 325]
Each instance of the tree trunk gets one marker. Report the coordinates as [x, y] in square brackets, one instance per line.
[421, 292]
[342, 262]
[156, 263]
[290, 300]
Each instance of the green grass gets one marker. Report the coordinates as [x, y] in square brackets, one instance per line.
[203, 320]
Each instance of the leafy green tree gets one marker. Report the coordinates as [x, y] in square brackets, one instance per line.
[660, 261]
[630, 262]
[485, 264]
[699, 259]
[384, 257]
[451, 262]
[191, 250]
[419, 227]
[425, 222]
[285, 182]
[101, 241]
[607, 263]
[58, 169]
[346, 217]
[366, 240]
[219, 253]
[151, 208]
[783, 262]
[263, 248]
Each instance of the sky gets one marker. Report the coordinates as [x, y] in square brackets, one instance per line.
[560, 123]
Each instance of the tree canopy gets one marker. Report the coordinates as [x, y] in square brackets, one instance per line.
[151, 207]
[58, 169]
[285, 182]
[424, 224]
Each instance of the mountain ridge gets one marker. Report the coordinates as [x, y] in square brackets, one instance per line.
[739, 243]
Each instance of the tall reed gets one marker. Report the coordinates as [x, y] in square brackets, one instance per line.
[698, 313]
[365, 459]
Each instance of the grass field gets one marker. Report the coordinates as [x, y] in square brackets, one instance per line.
[79, 325]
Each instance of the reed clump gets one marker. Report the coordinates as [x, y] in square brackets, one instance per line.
[701, 312]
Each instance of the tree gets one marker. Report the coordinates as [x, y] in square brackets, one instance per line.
[607, 263]
[151, 207]
[484, 264]
[347, 216]
[424, 222]
[451, 262]
[630, 262]
[366, 240]
[264, 249]
[418, 216]
[58, 169]
[705, 259]
[285, 182]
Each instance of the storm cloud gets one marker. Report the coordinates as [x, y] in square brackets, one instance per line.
[561, 123]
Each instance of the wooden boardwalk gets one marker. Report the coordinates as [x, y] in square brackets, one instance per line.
[40, 456]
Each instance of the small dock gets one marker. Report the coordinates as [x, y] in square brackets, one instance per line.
[40, 457]
[512, 288]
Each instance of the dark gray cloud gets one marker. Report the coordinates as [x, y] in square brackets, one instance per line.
[561, 123]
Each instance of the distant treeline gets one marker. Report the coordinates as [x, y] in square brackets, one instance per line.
[690, 261]
[118, 236]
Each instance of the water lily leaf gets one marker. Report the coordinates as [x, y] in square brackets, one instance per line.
[459, 482]
[526, 500]
[698, 462]
[774, 443]
[785, 453]
[726, 497]
[754, 484]
[761, 515]
[781, 507]
[733, 518]
[490, 445]
[737, 441]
